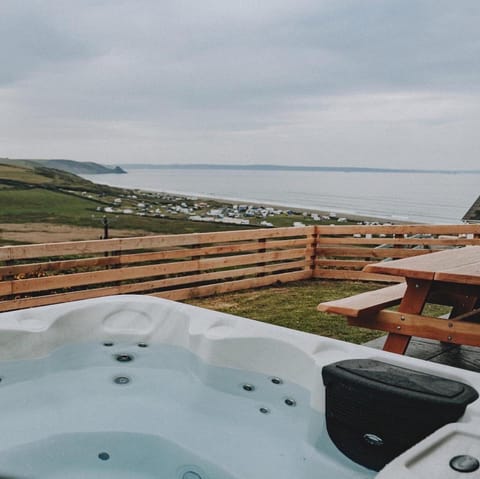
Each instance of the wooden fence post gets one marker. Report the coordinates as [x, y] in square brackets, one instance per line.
[261, 249]
[312, 258]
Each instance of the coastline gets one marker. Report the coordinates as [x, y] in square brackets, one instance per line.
[351, 216]
[338, 213]
[373, 197]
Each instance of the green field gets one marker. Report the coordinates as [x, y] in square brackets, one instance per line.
[42, 205]
[33, 195]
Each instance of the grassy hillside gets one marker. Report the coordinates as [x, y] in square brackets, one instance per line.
[43, 205]
[11, 174]
[33, 194]
[70, 166]
[24, 176]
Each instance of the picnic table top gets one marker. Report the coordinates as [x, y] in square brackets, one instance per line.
[460, 265]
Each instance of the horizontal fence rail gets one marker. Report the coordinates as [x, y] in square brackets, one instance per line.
[170, 266]
[201, 264]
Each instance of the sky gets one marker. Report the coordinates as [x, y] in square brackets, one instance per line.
[373, 83]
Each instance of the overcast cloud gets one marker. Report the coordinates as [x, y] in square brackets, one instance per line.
[307, 82]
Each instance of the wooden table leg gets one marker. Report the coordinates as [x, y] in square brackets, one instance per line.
[396, 343]
[413, 302]
[464, 305]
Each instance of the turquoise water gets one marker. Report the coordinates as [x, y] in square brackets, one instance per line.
[82, 413]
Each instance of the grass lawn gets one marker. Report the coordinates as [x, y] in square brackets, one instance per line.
[294, 306]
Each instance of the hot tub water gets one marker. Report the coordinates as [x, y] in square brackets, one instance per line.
[135, 410]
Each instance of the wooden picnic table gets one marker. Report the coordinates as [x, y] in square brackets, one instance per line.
[450, 277]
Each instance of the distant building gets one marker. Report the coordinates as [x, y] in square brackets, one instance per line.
[215, 212]
[235, 221]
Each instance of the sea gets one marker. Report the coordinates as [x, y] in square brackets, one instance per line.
[439, 198]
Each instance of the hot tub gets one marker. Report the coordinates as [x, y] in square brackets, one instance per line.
[140, 387]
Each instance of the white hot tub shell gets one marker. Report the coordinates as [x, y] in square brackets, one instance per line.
[198, 395]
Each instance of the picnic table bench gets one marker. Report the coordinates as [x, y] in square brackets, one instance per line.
[450, 278]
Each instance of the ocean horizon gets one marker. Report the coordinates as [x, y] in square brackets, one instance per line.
[425, 197]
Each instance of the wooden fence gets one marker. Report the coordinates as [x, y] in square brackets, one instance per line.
[194, 265]
[342, 251]
[171, 266]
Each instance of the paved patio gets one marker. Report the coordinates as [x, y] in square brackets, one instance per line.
[464, 357]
